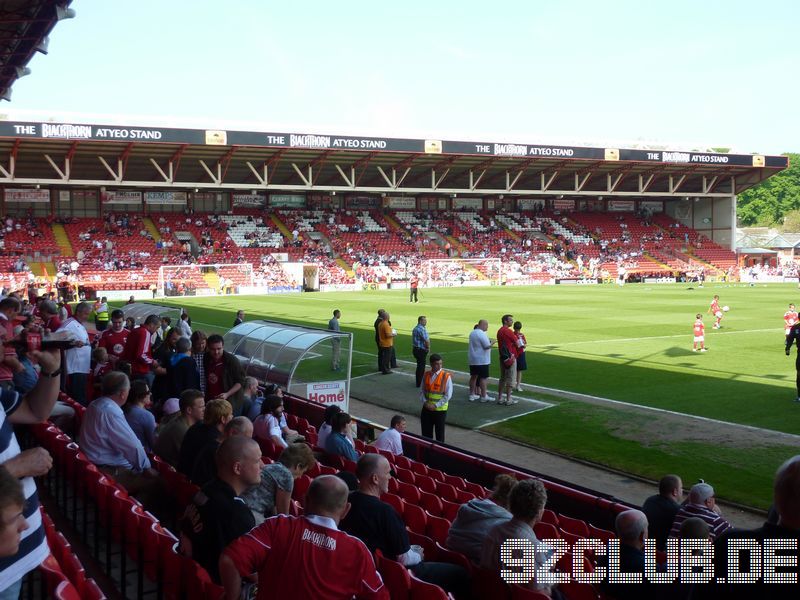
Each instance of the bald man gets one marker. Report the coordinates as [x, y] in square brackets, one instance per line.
[217, 515]
[786, 497]
[631, 527]
[312, 558]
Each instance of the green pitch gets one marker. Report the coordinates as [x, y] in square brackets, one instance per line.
[631, 345]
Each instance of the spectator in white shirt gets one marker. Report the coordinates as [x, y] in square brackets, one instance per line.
[78, 359]
[391, 440]
[184, 327]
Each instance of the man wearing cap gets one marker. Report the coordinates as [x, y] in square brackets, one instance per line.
[437, 389]
[701, 503]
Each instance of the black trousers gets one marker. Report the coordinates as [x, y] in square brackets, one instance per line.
[797, 367]
[420, 355]
[413, 296]
[433, 419]
[385, 360]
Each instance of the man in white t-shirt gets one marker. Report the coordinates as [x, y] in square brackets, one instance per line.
[78, 359]
[391, 440]
[480, 357]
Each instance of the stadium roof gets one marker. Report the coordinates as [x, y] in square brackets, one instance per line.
[24, 26]
[69, 154]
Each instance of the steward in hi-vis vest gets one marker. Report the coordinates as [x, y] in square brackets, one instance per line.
[435, 394]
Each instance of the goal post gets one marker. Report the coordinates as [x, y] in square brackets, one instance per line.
[462, 271]
[204, 280]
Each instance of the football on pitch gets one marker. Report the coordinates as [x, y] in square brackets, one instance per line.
[726, 308]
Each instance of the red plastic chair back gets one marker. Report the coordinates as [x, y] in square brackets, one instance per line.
[420, 590]
[395, 577]
[437, 528]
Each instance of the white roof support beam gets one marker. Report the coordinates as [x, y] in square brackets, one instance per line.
[709, 185]
[546, 184]
[262, 179]
[675, 185]
[611, 186]
[64, 175]
[306, 180]
[217, 179]
[349, 181]
[579, 183]
[392, 183]
[473, 183]
[8, 174]
[117, 175]
[643, 185]
[402, 177]
[167, 178]
[509, 183]
[435, 183]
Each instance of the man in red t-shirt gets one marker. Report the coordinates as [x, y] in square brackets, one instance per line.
[139, 350]
[312, 558]
[789, 319]
[509, 350]
[115, 338]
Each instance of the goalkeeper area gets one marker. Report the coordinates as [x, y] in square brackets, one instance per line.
[444, 272]
[205, 280]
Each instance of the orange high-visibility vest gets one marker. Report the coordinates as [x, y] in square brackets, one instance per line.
[435, 387]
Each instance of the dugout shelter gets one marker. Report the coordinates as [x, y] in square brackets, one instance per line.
[307, 362]
[84, 170]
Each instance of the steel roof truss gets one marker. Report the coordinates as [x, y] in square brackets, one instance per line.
[117, 175]
[310, 178]
[262, 179]
[217, 179]
[349, 181]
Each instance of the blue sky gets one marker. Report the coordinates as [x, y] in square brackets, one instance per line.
[702, 73]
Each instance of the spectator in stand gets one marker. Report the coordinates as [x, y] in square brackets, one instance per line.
[336, 343]
[49, 312]
[694, 528]
[420, 346]
[526, 505]
[327, 419]
[12, 518]
[199, 343]
[204, 469]
[661, 508]
[217, 414]
[478, 516]
[79, 359]
[273, 495]
[217, 515]
[239, 318]
[480, 357]
[192, 406]
[631, 526]
[30, 409]
[184, 327]
[701, 503]
[386, 337]
[10, 307]
[162, 384]
[337, 443]
[271, 423]
[109, 442]
[253, 399]
[113, 339]
[334, 565]
[130, 323]
[141, 420]
[391, 439]
[380, 527]
[786, 532]
[139, 350]
[522, 363]
[507, 345]
[181, 370]
[224, 374]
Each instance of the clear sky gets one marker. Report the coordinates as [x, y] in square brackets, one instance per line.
[704, 73]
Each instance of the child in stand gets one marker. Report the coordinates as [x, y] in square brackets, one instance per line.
[699, 334]
[522, 363]
[100, 366]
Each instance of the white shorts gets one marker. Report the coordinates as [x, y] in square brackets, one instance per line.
[699, 338]
[788, 330]
[718, 314]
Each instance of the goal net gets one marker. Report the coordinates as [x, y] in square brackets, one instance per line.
[204, 280]
[462, 271]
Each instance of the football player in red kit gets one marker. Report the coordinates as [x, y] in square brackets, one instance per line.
[789, 319]
[699, 334]
[715, 310]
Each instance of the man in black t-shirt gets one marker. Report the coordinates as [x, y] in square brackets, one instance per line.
[379, 526]
[662, 508]
[217, 515]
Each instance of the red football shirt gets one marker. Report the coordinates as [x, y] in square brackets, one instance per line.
[214, 380]
[699, 328]
[312, 559]
[114, 342]
[715, 306]
[790, 318]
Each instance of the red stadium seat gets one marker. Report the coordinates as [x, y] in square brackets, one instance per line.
[426, 483]
[301, 485]
[429, 548]
[450, 556]
[431, 503]
[548, 516]
[437, 529]
[395, 577]
[405, 475]
[576, 526]
[419, 468]
[447, 492]
[600, 534]
[546, 531]
[415, 517]
[522, 593]
[395, 501]
[409, 492]
[450, 510]
[420, 590]
[489, 584]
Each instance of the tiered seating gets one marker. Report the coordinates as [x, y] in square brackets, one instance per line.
[252, 232]
[29, 238]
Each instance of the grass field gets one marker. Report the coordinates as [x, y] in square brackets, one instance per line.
[631, 345]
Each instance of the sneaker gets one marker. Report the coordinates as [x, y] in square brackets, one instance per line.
[702, 350]
[487, 399]
[473, 397]
[694, 349]
[502, 403]
[512, 401]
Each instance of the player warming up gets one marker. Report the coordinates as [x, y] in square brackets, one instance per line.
[699, 334]
[789, 319]
[794, 336]
[715, 310]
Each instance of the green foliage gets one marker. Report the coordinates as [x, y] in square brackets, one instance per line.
[767, 203]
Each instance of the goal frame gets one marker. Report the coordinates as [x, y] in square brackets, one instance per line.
[164, 270]
[464, 262]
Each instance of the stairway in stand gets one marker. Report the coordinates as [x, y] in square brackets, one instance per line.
[62, 239]
[151, 228]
